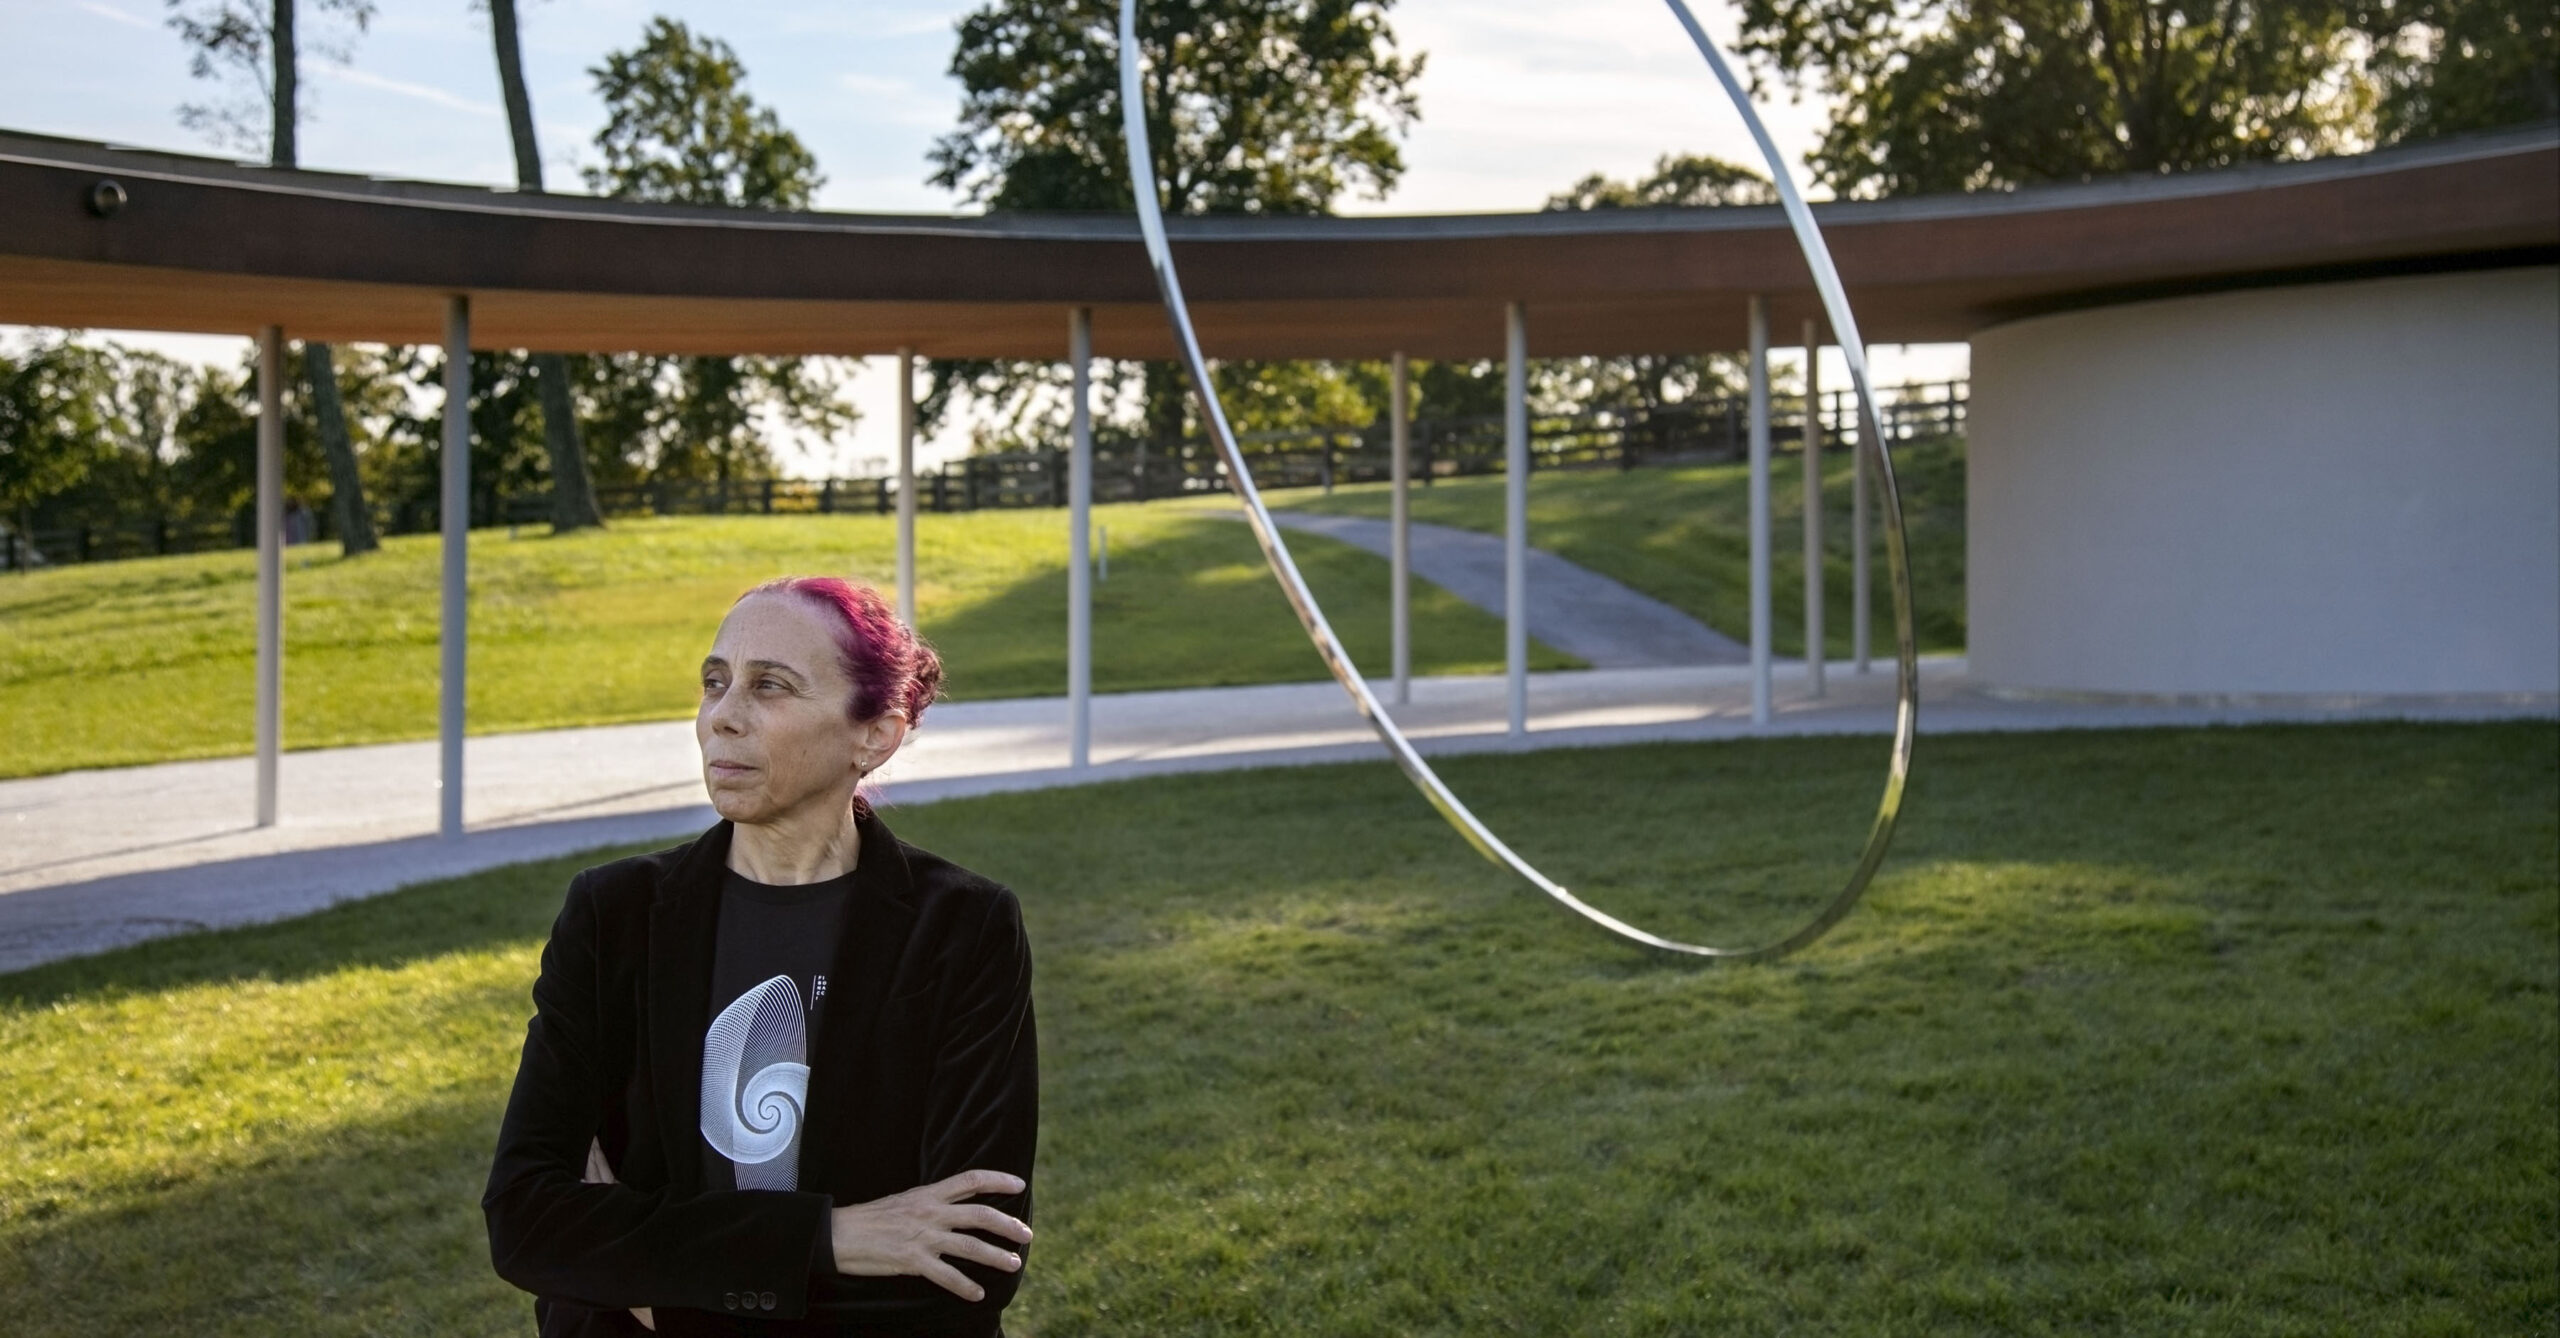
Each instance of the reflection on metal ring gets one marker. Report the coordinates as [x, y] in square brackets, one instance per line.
[1870, 446]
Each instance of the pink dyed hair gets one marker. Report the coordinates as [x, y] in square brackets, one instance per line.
[891, 667]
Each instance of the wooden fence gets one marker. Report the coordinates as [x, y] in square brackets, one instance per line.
[1124, 470]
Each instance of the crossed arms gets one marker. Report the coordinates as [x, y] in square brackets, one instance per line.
[944, 1256]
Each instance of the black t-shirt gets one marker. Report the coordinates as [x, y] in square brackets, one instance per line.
[768, 983]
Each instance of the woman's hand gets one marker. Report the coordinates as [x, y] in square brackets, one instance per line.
[910, 1233]
[600, 1172]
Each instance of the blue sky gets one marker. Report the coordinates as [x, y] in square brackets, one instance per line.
[1520, 97]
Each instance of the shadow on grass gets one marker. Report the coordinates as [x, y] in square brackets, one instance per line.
[1739, 841]
[1192, 604]
[1725, 840]
[2213, 1031]
[426, 920]
[1678, 533]
[373, 1228]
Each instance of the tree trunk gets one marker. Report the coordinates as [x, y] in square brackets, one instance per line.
[573, 494]
[502, 26]
[319, 370]
[280, 145]
[1167, 393]
[346, 486]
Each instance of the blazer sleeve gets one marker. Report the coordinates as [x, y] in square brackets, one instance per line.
[613, 1246]
[981, 1111]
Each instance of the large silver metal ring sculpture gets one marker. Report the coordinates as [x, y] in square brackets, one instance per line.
[1870, 444]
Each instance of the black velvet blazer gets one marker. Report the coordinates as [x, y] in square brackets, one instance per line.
[921, 1066]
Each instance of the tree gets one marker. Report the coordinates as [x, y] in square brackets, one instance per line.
[573, 496]
[1650, 381]
[132, 436]
[250, 53]
[681, 128]
[212, 471]
[1253, 107]
[2447, 66]
[1952, 95]
[1676, 179]
[147, 397]
[234, 43]
[52, 430]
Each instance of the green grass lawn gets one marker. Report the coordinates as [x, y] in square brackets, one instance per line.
[2210, 1032]
[154, 659]
[1682, 536]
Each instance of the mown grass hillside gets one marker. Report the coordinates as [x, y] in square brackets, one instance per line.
[2220, 1032]
[154, 659]
[1681, 534]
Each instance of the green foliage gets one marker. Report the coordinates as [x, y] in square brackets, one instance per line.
[680, 128]
[1957, 95]
[233, 45]
[1253, 107]
[1267, 396]
[52, 425]
[1652, 380]
[2232, 1033]
[1684, 179]
[2448, 66]
[1949, 95]
[144, 404]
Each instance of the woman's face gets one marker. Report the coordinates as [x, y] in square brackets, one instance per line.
[772, 724]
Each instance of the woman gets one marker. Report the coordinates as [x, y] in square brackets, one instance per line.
[781, 1078]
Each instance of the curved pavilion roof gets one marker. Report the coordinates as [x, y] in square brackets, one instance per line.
[209, 245]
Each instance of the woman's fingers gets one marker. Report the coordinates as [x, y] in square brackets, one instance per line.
[976, 1251]
[970, 1184]
[952, 1280]
[980, 1217]
[922, 1231]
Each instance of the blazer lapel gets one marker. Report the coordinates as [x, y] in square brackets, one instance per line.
[878, 920]
[677, 997]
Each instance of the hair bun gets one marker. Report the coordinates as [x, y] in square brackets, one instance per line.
[890, 666]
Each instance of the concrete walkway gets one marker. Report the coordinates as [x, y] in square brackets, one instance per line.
[1572, 608]
[93, 859]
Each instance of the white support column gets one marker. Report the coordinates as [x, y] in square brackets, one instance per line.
[1515, 514]
[907, 485]
[1813, 629]
[1079, 544]
[270, 567]
[1400, 524]
[453, 628]
[1861, 611]
[1759, 509]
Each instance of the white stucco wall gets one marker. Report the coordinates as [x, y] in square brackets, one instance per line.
[2338, 488]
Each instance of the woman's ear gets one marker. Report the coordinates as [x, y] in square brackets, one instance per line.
[883, 736]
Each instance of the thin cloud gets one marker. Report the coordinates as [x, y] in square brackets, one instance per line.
[406, 89]
[113, 14]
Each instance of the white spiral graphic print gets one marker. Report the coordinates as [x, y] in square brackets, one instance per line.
[755, 1083]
